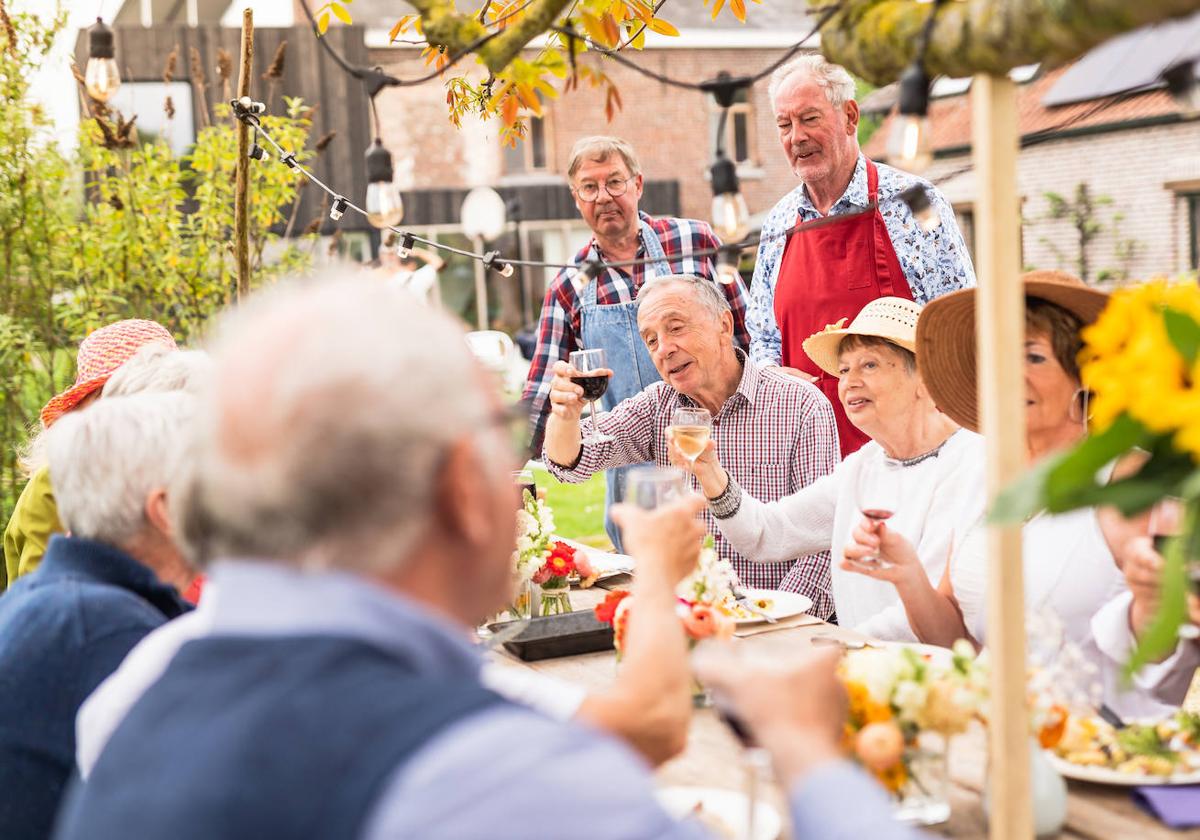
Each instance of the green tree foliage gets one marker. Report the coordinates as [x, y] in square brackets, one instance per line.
[120, 230]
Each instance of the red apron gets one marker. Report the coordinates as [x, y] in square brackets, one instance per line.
[832, 272]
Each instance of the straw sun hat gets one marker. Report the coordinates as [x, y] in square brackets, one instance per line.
[946, 338]
[892, 318]
[100, 354]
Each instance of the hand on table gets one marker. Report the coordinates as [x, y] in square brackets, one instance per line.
[665, 541]
[794, 707]
[706, 467]
[897, 562]
[566, 398]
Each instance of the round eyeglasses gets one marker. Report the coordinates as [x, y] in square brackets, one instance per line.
[615, 187]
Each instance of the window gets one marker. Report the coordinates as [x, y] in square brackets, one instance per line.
[530, 152]
[739, 129]
[148, 101]
[1193, 210]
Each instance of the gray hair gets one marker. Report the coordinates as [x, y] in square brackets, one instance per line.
[157, 367]
[833, 79]
[105, 459]
[601, 148]
[704, 291]
[334, 404]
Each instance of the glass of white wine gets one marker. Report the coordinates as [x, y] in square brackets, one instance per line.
[650, 487]
[690, 429]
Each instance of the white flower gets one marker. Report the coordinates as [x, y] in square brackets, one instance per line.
[876, 670]
[909, 699]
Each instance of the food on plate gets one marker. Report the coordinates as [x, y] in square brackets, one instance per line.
[1161, 748]
[737, 610]
[711, 820]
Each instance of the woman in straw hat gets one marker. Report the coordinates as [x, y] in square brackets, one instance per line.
[935, 471]
[35, 516]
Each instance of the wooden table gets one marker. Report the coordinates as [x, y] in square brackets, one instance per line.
[712, 757]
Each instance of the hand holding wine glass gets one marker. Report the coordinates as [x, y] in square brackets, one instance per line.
[878, 495]
[690, 431]
[592, 374]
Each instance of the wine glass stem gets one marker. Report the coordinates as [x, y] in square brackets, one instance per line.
[595, 425]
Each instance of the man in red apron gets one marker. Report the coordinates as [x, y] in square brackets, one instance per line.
[872, 247]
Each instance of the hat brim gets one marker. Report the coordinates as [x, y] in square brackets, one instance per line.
[946, 341]
[68, 399]
[822, 347]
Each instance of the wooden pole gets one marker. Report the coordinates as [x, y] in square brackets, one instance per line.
[241, 189]
[1000, 337]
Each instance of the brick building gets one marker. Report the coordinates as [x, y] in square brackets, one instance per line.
[1100, 131]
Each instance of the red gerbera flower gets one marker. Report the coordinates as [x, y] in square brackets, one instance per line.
[605, 610]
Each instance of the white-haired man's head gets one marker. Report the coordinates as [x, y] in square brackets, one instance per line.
[687, 326]
[157, 367]
[111, 465]
[817, 118]
[350, 427]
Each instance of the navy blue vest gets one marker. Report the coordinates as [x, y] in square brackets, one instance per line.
[252, 738]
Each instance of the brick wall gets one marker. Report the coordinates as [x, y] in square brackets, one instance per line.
[669, 127]
[1144, 171]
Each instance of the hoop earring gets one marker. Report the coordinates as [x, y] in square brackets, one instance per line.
[1075, 399]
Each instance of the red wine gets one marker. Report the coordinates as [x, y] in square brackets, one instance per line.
[877, 515]
[593, 386]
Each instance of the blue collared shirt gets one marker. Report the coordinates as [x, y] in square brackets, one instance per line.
[506, 772]
[934, 263]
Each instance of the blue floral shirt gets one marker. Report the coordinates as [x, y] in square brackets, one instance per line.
[934, 263]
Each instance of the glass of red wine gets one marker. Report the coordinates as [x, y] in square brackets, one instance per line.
[878, 493]
[587, 363]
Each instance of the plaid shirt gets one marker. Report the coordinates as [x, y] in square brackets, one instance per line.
[775, 435]
[559, 327]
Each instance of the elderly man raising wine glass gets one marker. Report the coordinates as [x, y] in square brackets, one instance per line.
[870, 244]
[919, 471]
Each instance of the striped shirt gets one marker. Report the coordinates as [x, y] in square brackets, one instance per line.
[559, 328]
[774, 435]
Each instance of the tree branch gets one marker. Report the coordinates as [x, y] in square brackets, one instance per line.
[445, 27]
[876, 39]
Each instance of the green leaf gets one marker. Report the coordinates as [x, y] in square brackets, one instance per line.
[1184, 333]
[1162, 636]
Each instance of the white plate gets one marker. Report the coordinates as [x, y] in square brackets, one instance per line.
[784, 605]
[727, 806]
[1109, 776]
[605, 563]
[940, 655]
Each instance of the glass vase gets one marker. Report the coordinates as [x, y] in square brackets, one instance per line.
[555, 600]
[921, 786]
[524, 603]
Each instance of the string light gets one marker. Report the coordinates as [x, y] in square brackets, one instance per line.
[910, 144]
[289, 160]
[483, 214]
[727, 270]
[338, 208]
[257, 152]
[731, 218]
[407, 243]
[922, 209]
[102, 76]
[385, 207]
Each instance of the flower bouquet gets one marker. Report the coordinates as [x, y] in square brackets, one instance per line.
[1141, 364]
[535, 527]
[902, 709]
[553, 578]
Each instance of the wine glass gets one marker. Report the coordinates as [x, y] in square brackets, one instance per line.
[649, 487]
[690, 429]
[586, 362]
[878, 493]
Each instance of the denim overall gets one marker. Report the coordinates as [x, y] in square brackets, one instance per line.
[614, 328]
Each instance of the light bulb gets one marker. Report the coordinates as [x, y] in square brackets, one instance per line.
[507, 270]
[731, 219]
[483, 214]
[338, 208]
[923, 211]
[385, 207]
[910, 146]
[727, 270]
[102, 77]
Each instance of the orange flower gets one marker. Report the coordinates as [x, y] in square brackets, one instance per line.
[879, 746]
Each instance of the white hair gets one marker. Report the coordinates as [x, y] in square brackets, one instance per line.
[106, 458]
[704, 291]
[333, 407]
[833, 79]
[157, 367]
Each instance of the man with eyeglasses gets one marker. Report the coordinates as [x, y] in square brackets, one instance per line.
[581, 312]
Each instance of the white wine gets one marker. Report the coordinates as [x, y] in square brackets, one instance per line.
[691, 439]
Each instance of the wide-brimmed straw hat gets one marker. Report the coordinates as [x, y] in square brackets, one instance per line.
[892, 318]
[100, 354]
[946, 338]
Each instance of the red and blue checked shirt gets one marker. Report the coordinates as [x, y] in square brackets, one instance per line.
[559, 327]
[775, 435]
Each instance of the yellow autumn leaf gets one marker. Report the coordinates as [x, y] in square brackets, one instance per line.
[500, 94]
[340, 12]
[738, 7]
[640, 10]
[323, 23]
[717, 6]
[509, 111]
[611, 30]
[619, 11]
[662, 27]
[529, 98]
[545, 88]
[639, 40]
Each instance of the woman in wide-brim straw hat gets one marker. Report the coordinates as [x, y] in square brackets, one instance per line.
[1068, 559]
[935, 469]
[35, 517]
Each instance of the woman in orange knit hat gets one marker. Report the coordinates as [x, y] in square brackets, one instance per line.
[35, 516]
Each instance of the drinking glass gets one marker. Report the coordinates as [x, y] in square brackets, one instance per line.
[690, 429]
[878, 494]
[586, 362]
[649, 487]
